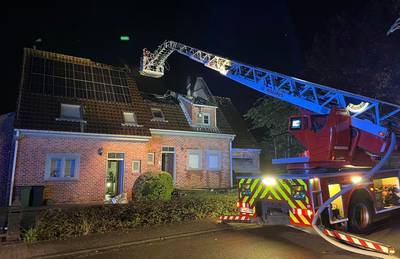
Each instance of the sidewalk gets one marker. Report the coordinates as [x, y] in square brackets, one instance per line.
[98, 242]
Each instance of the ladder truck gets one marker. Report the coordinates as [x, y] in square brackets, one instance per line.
[344, 135]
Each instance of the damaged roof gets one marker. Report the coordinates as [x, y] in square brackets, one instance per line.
[104, 92]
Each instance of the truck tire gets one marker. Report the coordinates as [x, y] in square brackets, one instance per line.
[361, 215]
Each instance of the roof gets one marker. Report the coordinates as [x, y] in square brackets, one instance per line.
[243, 139]
[175, 116]
[103, 91]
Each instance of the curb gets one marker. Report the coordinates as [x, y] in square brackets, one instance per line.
[138, 242]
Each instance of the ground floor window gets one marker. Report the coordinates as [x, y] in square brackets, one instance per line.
[214, 160]
[62, 166]
[194, 159]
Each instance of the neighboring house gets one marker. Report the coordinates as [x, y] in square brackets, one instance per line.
[85, 132]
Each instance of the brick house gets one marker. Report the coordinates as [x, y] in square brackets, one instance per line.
[84, 131]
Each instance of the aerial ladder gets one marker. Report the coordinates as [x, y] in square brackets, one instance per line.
[340, 131]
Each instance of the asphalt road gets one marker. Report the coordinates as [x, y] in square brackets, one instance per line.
[244, 242]
[249, 241]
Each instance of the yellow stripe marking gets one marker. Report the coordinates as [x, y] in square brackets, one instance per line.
[254, 184]
[264, 192]
[286, 197]
[275, 194]
[255, 194]
[293, 217]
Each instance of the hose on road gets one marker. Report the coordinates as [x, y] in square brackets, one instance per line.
[366, 178]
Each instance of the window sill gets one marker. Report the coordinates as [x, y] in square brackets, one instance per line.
[131, 125]
[61, 179]
[70, 120]
[159, 120]
[193, 169]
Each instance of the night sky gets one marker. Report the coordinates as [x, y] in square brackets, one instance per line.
[270, 34]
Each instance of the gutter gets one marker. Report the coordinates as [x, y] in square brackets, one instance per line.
[230, 162]
[13, 167]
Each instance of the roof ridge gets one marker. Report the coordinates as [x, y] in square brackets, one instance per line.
[66, 58]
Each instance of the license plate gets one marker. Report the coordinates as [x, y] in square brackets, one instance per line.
[246, 210]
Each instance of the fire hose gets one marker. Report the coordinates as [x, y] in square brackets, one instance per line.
[327, 203]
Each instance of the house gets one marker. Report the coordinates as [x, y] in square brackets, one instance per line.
[84, 132]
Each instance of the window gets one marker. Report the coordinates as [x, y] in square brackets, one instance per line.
[136, 166]
[116, 156]
[70, 112]
[194, 159]
[206, 118]
[129, 118]
[157, 114]
[62, 166]
[150, 158]
[214, 160]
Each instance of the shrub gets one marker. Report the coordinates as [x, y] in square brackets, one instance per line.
[31, 235]
[153, 186]
[57, 223]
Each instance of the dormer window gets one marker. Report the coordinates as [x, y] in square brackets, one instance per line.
[157, 114]
[206, 118]
[70, 112]
[129, 118]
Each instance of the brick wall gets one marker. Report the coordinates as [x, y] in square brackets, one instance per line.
[90, 187]
[195, 178]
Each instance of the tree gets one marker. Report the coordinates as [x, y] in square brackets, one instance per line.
[354, 53]
[272, 115]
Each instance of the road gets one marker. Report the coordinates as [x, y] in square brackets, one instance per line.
[244, 242]
[248, 241]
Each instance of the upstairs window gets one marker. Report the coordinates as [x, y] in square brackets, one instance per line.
[129, 118]
[157, 114]
[70, 112]
[206, 119]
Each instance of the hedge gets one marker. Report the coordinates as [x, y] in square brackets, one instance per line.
[184, 206]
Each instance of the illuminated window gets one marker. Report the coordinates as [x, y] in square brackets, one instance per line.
[214, 160]
[136, 166]
[62, 166]
[150, 158]
[193, 159]
[129, 118]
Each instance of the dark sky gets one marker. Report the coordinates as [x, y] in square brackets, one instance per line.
[272, 34]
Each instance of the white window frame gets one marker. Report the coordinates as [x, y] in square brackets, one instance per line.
[194, 152]
[151, 162]
[62, 157]
[71, 118]
[157, 118]
[209, 118]
[138, 162]
[214, 153]
[126, 123]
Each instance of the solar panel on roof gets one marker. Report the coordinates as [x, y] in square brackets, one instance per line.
[58, 78]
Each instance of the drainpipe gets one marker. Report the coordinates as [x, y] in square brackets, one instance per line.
[13, 167]
[230, 162]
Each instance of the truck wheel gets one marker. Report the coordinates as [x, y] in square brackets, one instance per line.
[361, 216]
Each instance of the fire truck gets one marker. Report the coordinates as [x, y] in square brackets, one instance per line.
[344, 135]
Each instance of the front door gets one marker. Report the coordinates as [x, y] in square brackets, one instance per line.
[168, 160]
[112, 178]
